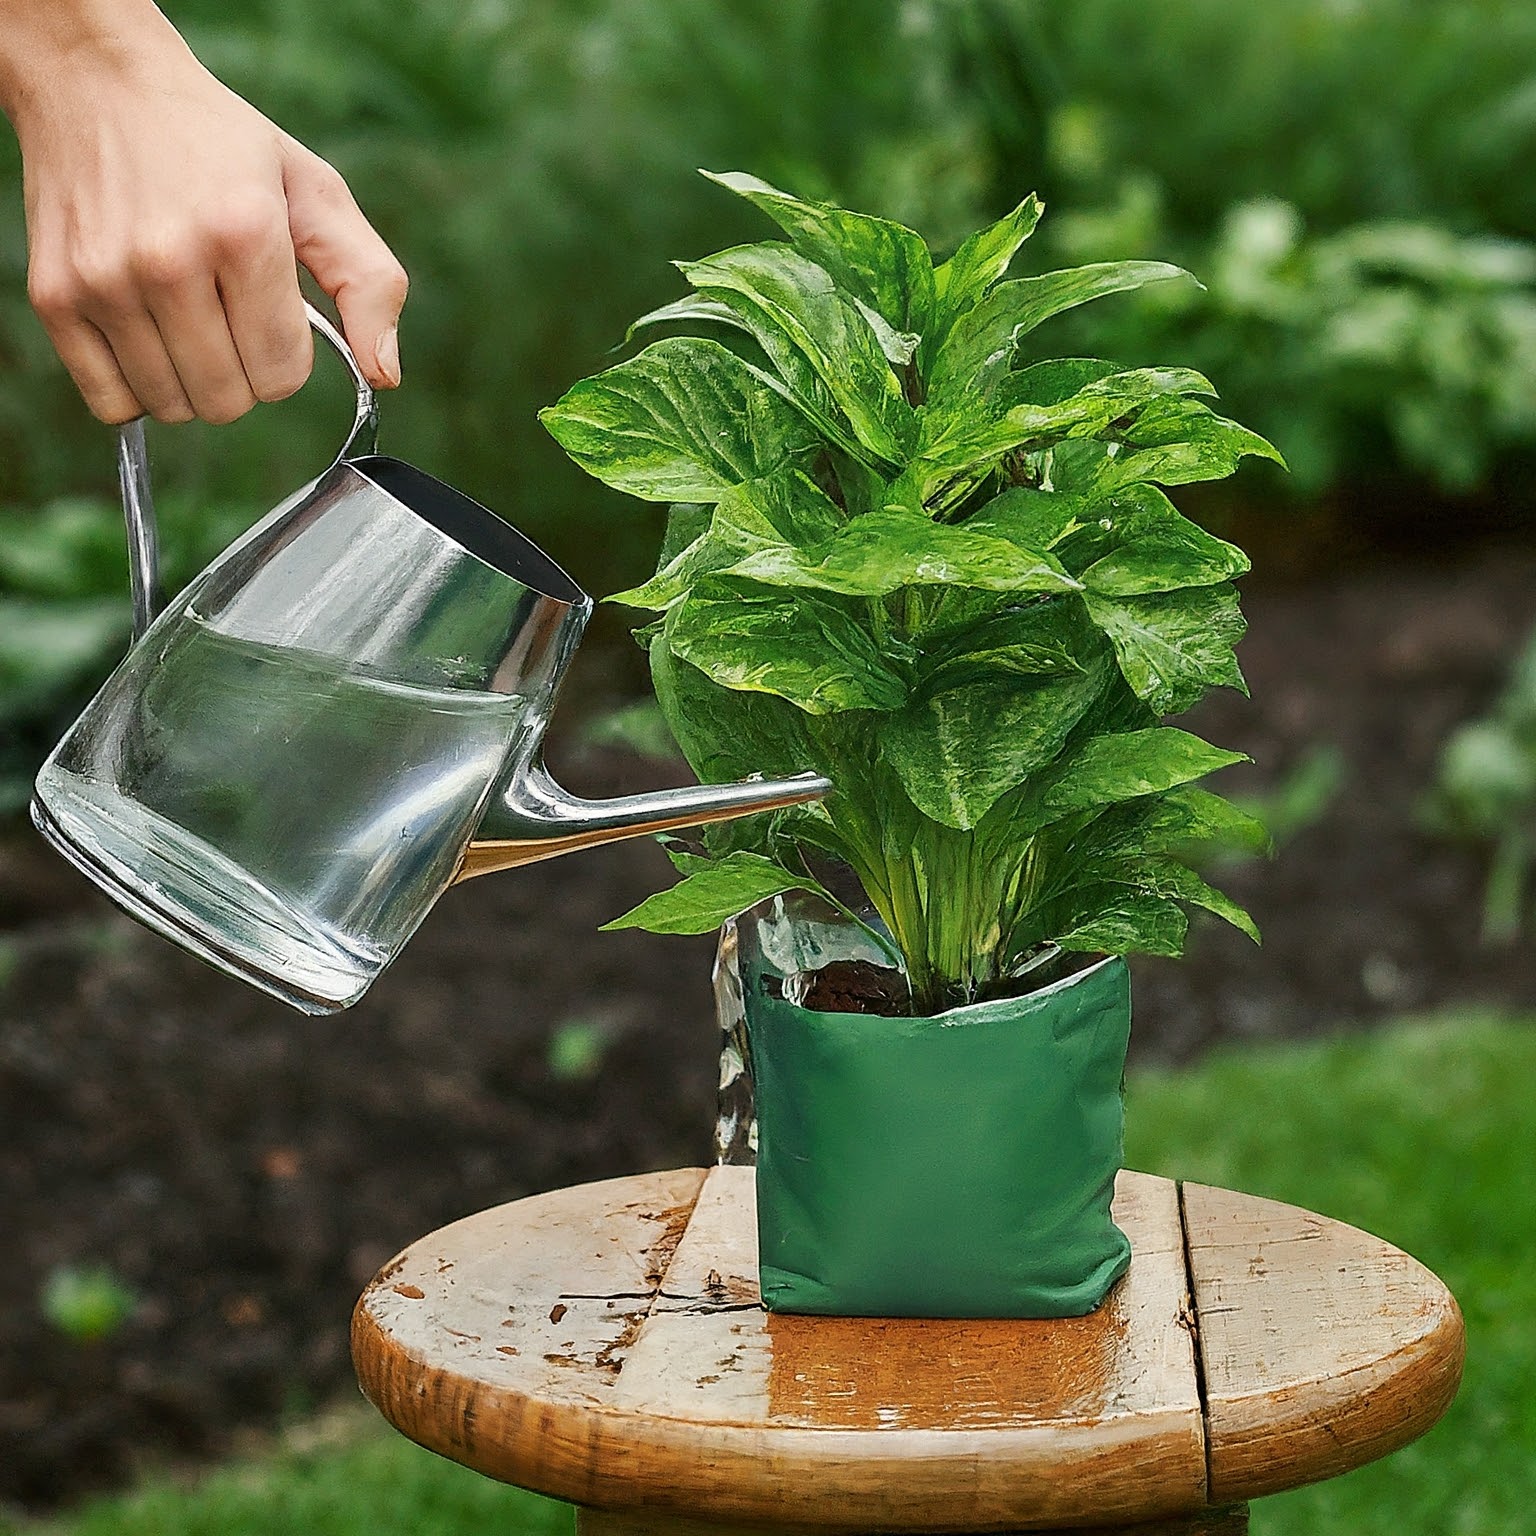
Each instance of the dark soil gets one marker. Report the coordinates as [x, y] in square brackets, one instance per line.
[244, 1170]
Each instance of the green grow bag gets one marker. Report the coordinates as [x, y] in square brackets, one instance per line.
[954, 1166]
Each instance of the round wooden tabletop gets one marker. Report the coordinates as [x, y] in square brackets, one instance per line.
[605, 1344]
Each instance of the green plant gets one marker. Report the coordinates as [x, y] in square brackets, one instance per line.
[1485, 790]
[1387, 342]
[909, 554]
[86, 1304]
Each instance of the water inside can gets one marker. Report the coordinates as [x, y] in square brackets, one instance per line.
[295, 813]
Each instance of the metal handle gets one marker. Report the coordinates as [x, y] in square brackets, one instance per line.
[139, 504]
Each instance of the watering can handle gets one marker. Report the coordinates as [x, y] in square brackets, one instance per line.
[138, 502]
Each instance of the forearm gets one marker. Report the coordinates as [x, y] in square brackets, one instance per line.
[41, 38]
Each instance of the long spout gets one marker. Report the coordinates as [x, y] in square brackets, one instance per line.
[536, 819]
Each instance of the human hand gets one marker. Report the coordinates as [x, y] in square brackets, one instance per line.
[166, 219]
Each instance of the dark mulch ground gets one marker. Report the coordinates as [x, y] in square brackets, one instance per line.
[245, 1170]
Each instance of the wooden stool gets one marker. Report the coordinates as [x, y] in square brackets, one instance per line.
[605, 1344]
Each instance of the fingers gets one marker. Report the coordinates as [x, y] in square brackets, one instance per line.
[340, 249]
[110, 344]
[154, 330]
[264, 311]
[146, 364]
[88, 356]
[199, 347]
[204, 317]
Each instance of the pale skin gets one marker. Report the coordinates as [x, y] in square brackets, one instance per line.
[167, 220]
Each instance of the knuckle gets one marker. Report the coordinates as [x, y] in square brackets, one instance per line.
[227, 408]
[284, 379]
[102, 282]
[246, 225]
[326, 180]
[389, 279]
[168, 262]
[53, 294]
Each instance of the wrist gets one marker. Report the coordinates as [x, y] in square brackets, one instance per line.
[49, 44]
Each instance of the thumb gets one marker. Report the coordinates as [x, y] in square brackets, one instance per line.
[343, 253]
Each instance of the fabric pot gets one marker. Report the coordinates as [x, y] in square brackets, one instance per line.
[954, 1166]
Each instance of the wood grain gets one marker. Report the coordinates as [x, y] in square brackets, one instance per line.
[474, 1339]
[605, 1344]
[697, 1403]
[1323, 1347]
[1231, 1521]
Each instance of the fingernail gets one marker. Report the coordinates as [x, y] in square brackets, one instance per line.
[388, 353]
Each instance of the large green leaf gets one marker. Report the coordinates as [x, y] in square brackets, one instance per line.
[1035, 639]
[965, 435]
[1124, 766]
[882, 552]
[1172, 646]
[968, 276]
[1186, 822]
[775, 512]
[1176, 442]
[1135, 541]
[1036, 519]
[812, 650]
[1057, 378]
[814, 337]
[885, 265]
[1117, 920]
[683, 421]
[960, 749]
[727, 734]
[711, 891]
[686, 520]
[689, 310]
[1170, 879]
[979, 349]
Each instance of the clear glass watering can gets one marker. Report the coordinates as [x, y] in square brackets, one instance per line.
[338, 719]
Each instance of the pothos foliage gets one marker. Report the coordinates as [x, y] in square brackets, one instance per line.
[905, 551]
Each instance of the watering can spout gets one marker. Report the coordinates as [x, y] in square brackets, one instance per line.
[536, 819]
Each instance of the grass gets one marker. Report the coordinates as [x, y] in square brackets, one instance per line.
[1415, 1133]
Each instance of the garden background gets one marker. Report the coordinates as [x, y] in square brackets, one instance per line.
[195, 1183]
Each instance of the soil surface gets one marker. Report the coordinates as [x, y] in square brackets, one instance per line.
[244, 1170]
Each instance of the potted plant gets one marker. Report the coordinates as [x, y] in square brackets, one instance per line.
[909, 551]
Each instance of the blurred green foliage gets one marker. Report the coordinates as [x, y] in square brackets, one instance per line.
[86, 1305]
[1485, 792]
[1349, 176]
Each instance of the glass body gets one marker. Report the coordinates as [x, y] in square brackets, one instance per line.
[284, 772]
